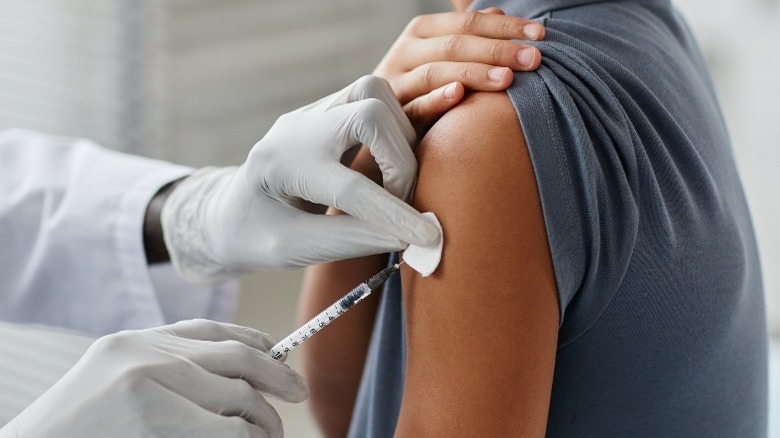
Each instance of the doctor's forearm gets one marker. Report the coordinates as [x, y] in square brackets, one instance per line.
[154, 244]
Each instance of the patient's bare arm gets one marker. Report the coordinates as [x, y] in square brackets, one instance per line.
[482, 330]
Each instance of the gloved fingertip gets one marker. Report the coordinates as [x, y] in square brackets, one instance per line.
[300, 392]
[261, 341]
[304, 389]
[427, 234]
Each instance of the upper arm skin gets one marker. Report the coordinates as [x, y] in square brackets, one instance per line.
[482, 330]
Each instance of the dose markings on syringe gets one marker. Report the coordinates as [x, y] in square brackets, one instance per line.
[340, 307]
[314, 326]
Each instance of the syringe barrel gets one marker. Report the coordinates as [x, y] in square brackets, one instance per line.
[331, 313]
[320, 321]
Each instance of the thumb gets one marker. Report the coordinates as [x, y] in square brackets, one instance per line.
[492, 10]
[425, 110]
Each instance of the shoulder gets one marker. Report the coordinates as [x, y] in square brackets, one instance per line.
[476, 156]
[483, 118]
[475, 173]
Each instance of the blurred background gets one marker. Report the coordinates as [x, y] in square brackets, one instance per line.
[198, 82]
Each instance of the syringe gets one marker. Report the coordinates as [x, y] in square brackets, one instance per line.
[337, 309]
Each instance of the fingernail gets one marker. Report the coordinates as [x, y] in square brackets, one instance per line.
[527, 57]
[449, 91]
[497, 74]
[533, 30]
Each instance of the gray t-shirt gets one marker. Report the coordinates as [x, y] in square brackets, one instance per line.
[662, 328]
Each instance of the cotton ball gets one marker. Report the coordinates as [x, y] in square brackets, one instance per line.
[425, 259]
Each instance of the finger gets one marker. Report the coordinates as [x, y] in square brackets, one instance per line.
[424, 111]
[369, 122]
[492, 10]
[184, 417]
[248, 404]
[475, 23]
[235, 360]
[368, 87]
[473, 76]
[221, 426]
[365, 88]
[470, 48]
[391, 220]
[239, 427]
[393, 155]
[226, 397]
[346, 237]
[207, 330]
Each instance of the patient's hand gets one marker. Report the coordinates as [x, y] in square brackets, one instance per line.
[438, 54]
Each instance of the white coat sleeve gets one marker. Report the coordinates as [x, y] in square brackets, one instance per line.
[71, 240]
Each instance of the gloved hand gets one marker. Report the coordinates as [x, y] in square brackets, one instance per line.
[192, 378]
[221, 222]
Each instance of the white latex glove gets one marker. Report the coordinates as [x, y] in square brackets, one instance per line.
[190, 379]
[221, 222]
